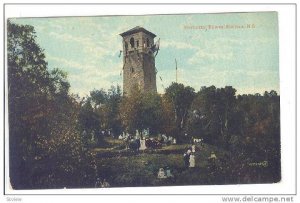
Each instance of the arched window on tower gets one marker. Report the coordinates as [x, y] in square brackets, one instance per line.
[148, 43]
[132, 42]
[137, 44]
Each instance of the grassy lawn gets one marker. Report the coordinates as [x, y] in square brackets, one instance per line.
[126, 168]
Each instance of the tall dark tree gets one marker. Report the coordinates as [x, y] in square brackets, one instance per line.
[98, 97]
[44, 146]
[111, 107]
[140, 111]
[212, 114]
[89, 124]
[181, 98]
[152, 112]
[226, 108]
[27, 92]
[105, 106]
[260, 129]
[130, 111]
[203, 117]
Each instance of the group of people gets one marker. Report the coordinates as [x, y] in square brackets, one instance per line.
[189, 157]
[164, 173]
[102, 184]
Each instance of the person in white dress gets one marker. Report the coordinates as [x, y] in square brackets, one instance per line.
[193, 148]
[143, 144]
[161, 173]
[192, 160]
[105, 184]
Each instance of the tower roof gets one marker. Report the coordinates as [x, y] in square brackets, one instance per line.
[137, 29]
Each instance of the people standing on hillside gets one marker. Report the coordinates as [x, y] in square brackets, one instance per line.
[138, 143]
[143, 144]
[98, 183]
[127, 141]
[192, 160]
[161, 173]
[213, 156]
[186, 158]
[193, 148]
[105, 184]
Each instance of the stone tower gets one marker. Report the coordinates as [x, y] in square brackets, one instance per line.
[138, 60]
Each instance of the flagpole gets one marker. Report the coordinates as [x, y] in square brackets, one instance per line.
[176, 69]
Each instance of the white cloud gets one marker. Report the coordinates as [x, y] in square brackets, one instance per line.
[213, 50]
[65, 62]
[243, 81]
[210, 54]
[69, 38]
[97, 68]
[99, 43]
[178, 45]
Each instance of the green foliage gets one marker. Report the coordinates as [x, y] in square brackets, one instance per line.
[141, 111]
[247, 125]
[180, 99]
[45, 148]
[100, 112]
[51, 133]
[211, 114]
[88, 119]
[151, 112]
[241, 129]
[111, 110]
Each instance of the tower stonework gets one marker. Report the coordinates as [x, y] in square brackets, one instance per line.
[138, 60]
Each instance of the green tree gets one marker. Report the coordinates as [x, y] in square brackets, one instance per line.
[89, 124]
[212, 115]
[181, 98]
[151, 113]
[168, 124]
[260, 129]
[203, 119]
[105, 106]
[226, 112]
[130, 111]
[111, 108]
[44, 145]
[140, 111]
[98, 97]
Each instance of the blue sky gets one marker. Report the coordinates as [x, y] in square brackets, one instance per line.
[87, 48]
